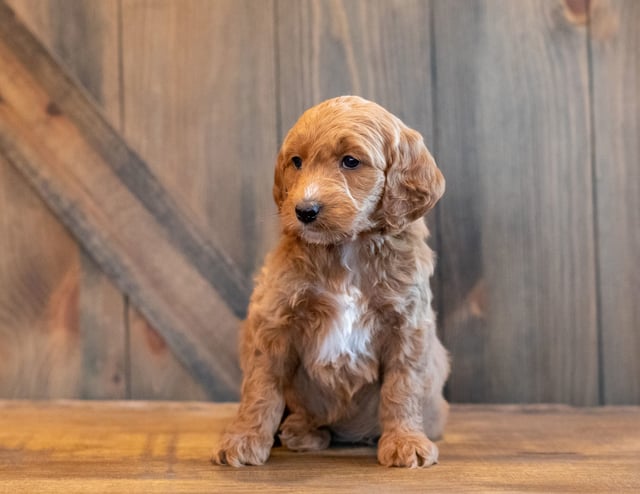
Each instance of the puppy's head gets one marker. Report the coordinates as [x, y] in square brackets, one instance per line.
[349, 166]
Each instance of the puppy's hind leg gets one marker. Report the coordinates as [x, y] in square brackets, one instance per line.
[434, 418]
[436, 408]
[297, 433]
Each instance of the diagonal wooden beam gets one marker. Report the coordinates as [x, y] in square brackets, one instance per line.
[107, 196]
[69, 98]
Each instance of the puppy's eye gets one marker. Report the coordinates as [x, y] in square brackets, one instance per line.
[350, 162]
[297, 162]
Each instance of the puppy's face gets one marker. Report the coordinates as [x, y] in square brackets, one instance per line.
[349, 166]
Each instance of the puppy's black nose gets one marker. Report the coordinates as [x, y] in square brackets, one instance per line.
[307, 211]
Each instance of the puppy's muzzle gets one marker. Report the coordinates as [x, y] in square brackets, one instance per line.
[308, 211]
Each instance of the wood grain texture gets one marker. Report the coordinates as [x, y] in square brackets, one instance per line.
[39, 275]
[55, 136]
[104, 345]
[199, 106]
[164, 447]
[156, 373]
[517, 256]
[376, 49]
[615, 46]
[84, 36]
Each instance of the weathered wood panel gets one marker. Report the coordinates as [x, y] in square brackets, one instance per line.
[615, 45]
[39, 274]
[164, 447]
[156, 372]
[199, 105]
[517, 256]
[103, 191]
[83, 34]
[104, 338]
[379, 50]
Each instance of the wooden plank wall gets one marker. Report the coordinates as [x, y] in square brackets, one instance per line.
[110, 199]
[516, 150]
[72, 319]
[615, 47]
[198, 83]
[531, 109]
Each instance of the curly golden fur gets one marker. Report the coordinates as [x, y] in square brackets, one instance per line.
[340, 329]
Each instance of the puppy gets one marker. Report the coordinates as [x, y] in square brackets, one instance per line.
[340, 329]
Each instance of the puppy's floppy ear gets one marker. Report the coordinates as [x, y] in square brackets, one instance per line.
[414, 183]
[279, 189]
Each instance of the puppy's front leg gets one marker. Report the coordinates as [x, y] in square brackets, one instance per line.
[403, 442]
[248, 440]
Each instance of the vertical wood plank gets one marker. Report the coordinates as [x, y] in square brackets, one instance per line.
[156, 374]
[39, 275]
[103, 334]
[199, 105]
[615, 44]
[377, 49]
[84, 36]
[517, 255]
[199, 102]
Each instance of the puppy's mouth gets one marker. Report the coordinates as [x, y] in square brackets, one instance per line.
[320, 233]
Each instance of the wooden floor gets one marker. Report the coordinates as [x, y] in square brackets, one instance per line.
[164, 447]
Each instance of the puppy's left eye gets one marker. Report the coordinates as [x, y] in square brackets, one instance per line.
[350, 162]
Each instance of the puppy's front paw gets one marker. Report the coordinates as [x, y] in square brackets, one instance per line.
[409, 449]
[243, 449]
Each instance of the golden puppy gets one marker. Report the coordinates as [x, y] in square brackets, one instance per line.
[340, 329]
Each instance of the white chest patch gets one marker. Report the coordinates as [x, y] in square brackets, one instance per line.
[346, 336]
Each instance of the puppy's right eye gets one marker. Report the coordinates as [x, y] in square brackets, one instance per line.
[297, 162]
